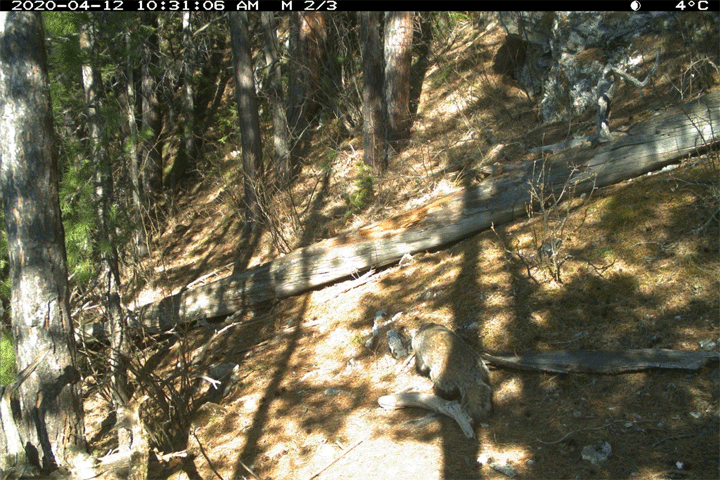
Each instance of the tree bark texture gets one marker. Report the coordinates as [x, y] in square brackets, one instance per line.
[186, 155]
[307, 46]
[189, 91]
[601, 361]
[500, 198]
[50, 413]
[373, 125]
[104, 241]
[133, 161]
[152, 171]
[281, 134]
[398, 57]
[248, 115]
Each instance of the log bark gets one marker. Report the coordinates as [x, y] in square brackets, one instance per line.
[603, 362]
[650, 145]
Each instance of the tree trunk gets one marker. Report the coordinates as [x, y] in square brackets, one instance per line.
[307, 45]
[50, 413]
[248, 113]
[501, 198]
[151, 119]
[105, 241]
[313, 37]
[296, 101]
[185, 156]
[373, 129]
[131, 147]
[398, 57]
[188, 94]
[281, 135]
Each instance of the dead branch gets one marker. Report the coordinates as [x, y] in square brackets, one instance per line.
[431, 402]
[602, 361]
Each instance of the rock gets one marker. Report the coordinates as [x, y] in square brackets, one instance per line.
[219, 372]
[333, 391]
[597, 453]
[506, 469]
[559, 57]
[708, 345]
[396, 344]
[549, 248]
[405, 260]
[379, 323]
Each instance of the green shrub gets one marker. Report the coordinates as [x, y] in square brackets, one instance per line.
[7, 359]
[362, 194]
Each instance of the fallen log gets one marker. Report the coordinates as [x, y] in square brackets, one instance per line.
[650, 145]
[603, 361]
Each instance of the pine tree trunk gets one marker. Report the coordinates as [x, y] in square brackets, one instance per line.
[151, 120]
[248, 115]
[188, 94]
[281, 135]
[296, 99]
[307, 45]
[109, 267]
[134, 156]
[373, 128]
[185, 156]
[50, 413]
[398, 57]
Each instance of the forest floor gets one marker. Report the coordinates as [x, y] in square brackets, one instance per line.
[639, 270]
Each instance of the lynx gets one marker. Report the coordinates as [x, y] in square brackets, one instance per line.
[456, 370]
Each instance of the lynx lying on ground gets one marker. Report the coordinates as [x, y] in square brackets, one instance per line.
[456, 370]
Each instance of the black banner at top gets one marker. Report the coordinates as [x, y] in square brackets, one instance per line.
[348, 6]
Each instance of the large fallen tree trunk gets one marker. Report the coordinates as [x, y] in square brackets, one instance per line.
[650, 145]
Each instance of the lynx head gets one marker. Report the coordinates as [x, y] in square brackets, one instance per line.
[477, 401]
